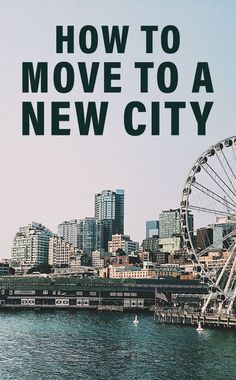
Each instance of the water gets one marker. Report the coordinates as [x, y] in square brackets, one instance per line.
[87, 345]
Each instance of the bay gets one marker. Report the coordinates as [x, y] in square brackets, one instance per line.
[86, 345]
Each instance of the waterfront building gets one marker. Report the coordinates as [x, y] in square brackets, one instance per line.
[122, 242]
[152, 228]
[67, 289]
[60, 251]
[151, 244]
[170, 224]
[109, 209]
[131, 272]
[170, 270]
[30, 245]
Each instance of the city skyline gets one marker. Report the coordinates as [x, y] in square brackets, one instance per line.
[68, 228]
[88, 234]
[51, 178]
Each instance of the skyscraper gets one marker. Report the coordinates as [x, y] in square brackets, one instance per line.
[109, 209]
[81, 233]
[90, 232]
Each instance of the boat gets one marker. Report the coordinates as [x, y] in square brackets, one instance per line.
[136, 321]
[199, 328]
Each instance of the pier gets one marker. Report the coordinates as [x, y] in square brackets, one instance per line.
[181, 317]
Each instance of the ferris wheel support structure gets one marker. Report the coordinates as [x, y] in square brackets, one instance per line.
[210, 190]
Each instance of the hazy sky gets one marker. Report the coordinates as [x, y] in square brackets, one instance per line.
[49, 179]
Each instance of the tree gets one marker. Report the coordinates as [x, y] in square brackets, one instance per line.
[11, 271]
[120, 252]
[41, 268]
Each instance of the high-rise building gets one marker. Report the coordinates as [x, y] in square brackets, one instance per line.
[30, 245]
[69, 231]
[109, 209]
[170, 225]
[90, 235]
[83, 234]
[152, 228]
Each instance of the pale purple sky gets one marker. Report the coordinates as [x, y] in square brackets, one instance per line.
[49, 179]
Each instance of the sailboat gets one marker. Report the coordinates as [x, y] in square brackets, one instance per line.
[199, 328]
[136, 321]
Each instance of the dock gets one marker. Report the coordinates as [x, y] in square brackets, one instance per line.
[181, 317]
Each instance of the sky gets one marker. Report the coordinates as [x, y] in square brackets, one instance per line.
[49, 179]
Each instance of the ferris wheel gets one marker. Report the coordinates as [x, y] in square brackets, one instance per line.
[209, 199]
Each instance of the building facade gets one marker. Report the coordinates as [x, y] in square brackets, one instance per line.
[30, 245]
[170, 224]
[60, 252]
[221, 229]
[122, 242]
[84, 234]
[152, 228]
[97, 260]
[151, 244]
[90, 232]
[131, 272]
[109, 210]
[70, 232]
[171, 244]
[204, 238]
